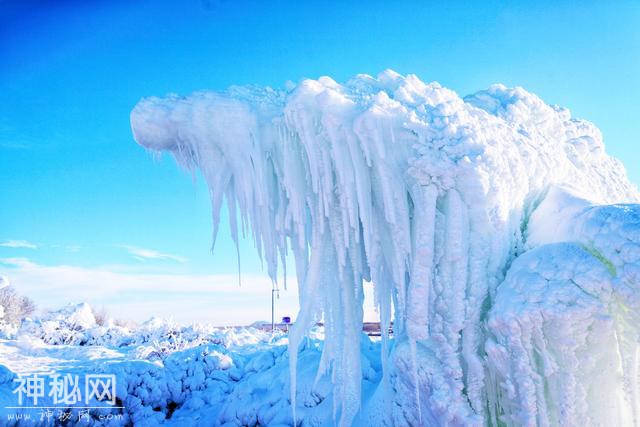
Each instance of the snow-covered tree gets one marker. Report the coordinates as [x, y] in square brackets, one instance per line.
[14, 307]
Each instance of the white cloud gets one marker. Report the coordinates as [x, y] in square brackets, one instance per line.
[18, 244]
[139, 295]
[143, 254]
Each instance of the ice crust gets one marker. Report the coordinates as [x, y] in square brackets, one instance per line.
[513, 295]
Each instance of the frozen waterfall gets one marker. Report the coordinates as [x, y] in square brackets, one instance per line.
[481, 221]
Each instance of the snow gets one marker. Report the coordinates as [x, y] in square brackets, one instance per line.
[216, 376]
[449, 206]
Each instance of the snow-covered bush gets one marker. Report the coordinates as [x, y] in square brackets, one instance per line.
[75, 325]
[154, 339]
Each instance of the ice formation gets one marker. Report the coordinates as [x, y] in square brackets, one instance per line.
[514, 297]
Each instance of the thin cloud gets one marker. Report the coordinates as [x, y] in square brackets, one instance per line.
[215, 298]
[68, 248]
[18, 244]
[139, 295]
[143, 254]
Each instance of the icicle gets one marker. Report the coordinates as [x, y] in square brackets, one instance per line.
[306, 315]
[429, 196]
[233, 224]
[423, 236]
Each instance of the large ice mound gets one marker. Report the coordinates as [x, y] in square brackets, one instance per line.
[513, 292]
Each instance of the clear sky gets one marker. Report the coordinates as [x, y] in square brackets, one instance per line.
[86, 214]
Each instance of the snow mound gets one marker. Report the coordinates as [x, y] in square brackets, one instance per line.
[78, 316]
[430, 196]
[231, 376]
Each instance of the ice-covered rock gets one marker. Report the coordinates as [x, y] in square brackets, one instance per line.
[556, 355]
[430, 196]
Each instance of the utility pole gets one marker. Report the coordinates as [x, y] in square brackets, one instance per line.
[274, 290]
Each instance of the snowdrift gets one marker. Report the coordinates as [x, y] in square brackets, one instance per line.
[165, 373]
[487, 224]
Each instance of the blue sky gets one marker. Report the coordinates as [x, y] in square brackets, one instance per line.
[96, 208]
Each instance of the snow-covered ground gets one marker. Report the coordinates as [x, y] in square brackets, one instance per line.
[166, 373]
